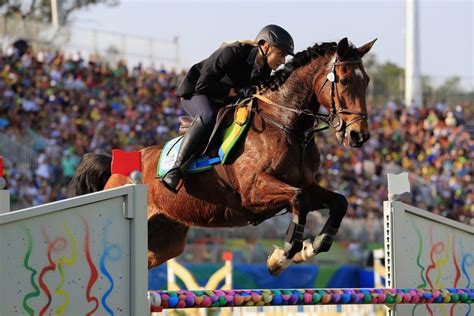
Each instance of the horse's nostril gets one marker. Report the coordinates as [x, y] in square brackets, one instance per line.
[355, 136]
[359, 137]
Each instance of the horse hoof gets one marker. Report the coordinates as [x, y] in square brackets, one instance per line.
[277, 262]
[298, 258]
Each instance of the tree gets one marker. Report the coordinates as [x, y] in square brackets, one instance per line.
[40, 10]
[428, 89]
[388, 81]
[452, 91]
[450, 87]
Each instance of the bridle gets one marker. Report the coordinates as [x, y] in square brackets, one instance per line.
[333, 118]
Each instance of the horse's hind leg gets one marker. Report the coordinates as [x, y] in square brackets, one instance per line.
[337, 205]
[166, 239]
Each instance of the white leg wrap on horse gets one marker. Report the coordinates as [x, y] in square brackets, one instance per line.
[308, 251]
[323, 240]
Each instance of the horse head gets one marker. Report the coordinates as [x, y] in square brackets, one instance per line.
[341, 90]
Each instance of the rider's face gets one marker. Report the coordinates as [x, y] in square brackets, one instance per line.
[275, 57]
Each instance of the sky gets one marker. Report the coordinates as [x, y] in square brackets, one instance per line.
[446, 37]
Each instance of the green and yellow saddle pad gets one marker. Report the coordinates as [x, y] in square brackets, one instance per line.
[231, 136]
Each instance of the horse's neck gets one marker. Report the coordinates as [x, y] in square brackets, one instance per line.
[295, 93]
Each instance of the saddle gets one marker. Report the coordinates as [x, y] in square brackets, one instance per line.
[223, 119]
[227, 130]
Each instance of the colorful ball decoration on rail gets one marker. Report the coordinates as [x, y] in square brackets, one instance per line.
[223, 298]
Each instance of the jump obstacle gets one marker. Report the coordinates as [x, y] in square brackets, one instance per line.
[87, 255]
[223, 298]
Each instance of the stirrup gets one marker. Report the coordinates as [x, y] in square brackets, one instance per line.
[174, 190]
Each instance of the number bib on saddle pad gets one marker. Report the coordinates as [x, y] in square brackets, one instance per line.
[231, 136]
[170, 152]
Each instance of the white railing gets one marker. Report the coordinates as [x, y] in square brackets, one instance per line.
[108, 45]
[19, 150]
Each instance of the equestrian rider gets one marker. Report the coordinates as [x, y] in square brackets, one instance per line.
[221, 79]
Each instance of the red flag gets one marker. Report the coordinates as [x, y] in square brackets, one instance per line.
[125, 162]
[1, 166]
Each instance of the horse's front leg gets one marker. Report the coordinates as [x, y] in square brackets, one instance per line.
[337, 205]
[268, 191]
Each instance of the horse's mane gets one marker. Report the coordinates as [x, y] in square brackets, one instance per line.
[299, 60]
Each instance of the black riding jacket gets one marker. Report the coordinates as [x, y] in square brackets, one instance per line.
[230, 66]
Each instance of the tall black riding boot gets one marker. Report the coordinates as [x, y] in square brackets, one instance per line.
[193, 143]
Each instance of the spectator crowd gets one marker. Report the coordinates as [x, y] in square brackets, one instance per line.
[82, 106]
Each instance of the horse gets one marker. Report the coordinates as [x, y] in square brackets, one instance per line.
[273, 168]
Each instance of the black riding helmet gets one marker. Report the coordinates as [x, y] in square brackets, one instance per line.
[276, 36]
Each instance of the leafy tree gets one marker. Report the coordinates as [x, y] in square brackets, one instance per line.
[450, 88]
[40, 10]
[388, 81]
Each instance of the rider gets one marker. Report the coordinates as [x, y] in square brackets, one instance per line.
[220, 79]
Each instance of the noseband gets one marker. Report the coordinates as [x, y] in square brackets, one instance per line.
[333, 119]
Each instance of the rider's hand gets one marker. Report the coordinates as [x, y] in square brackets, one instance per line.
[246, 92]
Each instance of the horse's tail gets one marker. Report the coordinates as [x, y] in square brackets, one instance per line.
[91, 174]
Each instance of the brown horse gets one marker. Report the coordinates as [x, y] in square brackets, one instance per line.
[272, 169]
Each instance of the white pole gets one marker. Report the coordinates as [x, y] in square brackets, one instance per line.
[228, 277]
[152, 58]
[54, 13]
[124, 46]
[177, 57]
[413, 91]
[95, 42]
[4, 200]
[4, 194]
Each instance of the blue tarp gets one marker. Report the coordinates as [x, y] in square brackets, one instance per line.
[352, 277]
[256, 276]
[296, 276]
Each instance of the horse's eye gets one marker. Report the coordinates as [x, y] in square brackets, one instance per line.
[344, 81]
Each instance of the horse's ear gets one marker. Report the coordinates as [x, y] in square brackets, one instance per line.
[364, 49]
[342, 47]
